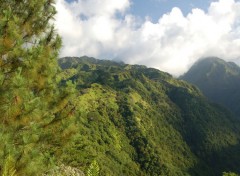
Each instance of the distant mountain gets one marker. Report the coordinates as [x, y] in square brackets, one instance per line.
[218, 80]
[133, 120]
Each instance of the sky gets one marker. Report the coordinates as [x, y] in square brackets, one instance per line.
[169, 35]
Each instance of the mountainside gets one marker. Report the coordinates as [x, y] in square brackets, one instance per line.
[99, 118]
[134, 120]
[218, 80]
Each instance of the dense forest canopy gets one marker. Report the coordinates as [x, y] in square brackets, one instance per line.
[98, 117]
[163, 125]
[218, 80]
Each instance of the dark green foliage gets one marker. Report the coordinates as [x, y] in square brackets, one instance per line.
[135, 120]
[218, 80]
[99, 117]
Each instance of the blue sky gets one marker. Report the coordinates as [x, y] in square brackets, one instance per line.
[156, 8]
[166, 34]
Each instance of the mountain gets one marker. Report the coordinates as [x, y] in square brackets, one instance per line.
[218, 80]
[96, 117]
[134, 120]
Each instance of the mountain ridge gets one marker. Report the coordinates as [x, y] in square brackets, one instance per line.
[149, 108]
[218, 80]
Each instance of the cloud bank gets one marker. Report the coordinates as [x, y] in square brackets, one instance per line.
[104, 29]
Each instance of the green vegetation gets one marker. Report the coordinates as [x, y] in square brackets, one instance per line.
[30, 97]
[141, 121]
[93, 169]
[229, 174]
[218, 80]
[99, 117]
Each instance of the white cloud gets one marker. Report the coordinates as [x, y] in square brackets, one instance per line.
[173, 44]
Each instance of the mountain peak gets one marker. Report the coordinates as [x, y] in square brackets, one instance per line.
[218, 80]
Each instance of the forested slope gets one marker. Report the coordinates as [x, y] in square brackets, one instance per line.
[218, 80]
[136, 120]
[99, 117]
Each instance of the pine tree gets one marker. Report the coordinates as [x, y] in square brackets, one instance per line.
[30, 98]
